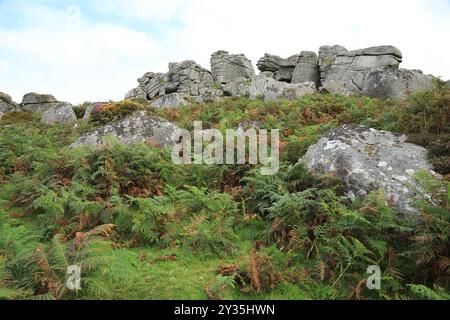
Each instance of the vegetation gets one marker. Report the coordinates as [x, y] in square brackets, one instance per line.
[141, 227]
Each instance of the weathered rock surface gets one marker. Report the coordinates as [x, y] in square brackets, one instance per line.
[188, 78]
[133, 129]
[327, 55]
[172, 100]
[307, 69]
[239, 87]
[226, 67]
[282, 69]
[268, 88]
[153, 84]
[349, 68]
[371, 71]
[61, 115]
[34, 102]
[387, 83]
[35, 98]
[368, 160]
[136, 93]
[6, 104]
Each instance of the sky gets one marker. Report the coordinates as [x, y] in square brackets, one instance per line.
[94, 50]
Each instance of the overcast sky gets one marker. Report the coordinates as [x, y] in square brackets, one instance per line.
[94, 50]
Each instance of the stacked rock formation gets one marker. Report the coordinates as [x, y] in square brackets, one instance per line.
[371, 71]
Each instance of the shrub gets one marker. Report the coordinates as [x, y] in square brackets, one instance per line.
[114, 111]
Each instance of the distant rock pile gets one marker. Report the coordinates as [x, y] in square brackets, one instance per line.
[371, 71]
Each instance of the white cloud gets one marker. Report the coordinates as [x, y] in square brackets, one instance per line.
[97, 61]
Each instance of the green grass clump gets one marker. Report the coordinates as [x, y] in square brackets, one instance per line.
[114, 111]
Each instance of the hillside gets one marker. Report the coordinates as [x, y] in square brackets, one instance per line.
[141, 227]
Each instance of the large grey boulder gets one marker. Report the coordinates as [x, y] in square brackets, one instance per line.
[282, 69]
[388, 83]
[34, 102]
[226, 67]
[373, 72]
[307, 68]
[172, 100]
[349, 68]
[6, 104]
[188, 78]
[60, 115]
[367, 160]
[133, 129]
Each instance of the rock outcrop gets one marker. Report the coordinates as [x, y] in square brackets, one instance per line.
[186, 78]
[359, 72]
[133, 129]
[368, 160]
[6, 104]
[371, 71]
[226, 67]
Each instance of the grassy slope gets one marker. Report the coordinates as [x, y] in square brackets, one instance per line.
[31, 152]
